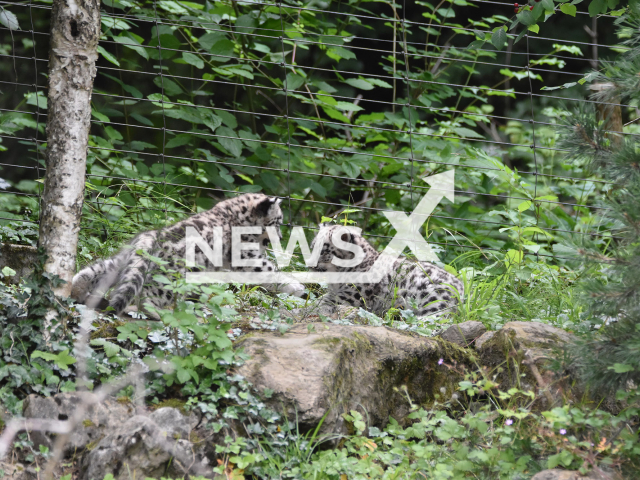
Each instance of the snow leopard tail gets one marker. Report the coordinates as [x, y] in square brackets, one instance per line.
[126, 270]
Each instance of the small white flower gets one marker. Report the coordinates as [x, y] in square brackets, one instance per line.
[563, 431]
[440, 362]
[508, 422]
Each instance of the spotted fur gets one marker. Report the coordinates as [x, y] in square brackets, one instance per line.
[130, 273]
[432, 289]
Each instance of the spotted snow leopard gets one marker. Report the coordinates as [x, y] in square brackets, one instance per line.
[130, 273]
[405, 283]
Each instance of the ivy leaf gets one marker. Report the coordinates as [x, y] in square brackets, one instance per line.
[499, 38]
[110, 349]
[569, 9]
[62, 359]
[8, 272]
[9, 20]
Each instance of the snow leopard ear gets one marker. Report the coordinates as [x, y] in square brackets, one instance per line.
[267, 204]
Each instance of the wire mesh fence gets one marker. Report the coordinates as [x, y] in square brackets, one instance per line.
[338, 107]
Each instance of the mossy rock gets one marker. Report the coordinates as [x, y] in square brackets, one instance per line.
[20, 258]
[323, 369]
[512, 350]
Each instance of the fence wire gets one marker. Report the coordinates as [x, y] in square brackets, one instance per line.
[338, 108]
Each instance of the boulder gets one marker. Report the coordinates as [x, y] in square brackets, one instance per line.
[19, 258]
[464, 333]
[100, 418]
[483, 338]
[151, 446]
[320, 369]
[529, 348]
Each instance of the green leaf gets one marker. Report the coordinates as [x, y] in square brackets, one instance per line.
[37, 100]
[350, 169]
[621, 368]
[336, 115]
[157, 97]
[131, 42]
[9, 19]
[223, 47]
[595, 7]
[526, 18]
[534, 28]
[379, 83]
[499, 38]
[569, 9]
[466, 132]
[360, 83]
[8, 272]
[245, 178]
[339, 53]
[231, 145]
[208, 40]
[110, 349]
[183, 376]
[524, 205]
[548, 5]
[108, 56]
[192, 59]
[294, 81]
[62, 359]
[179, 140]
[211, 120]
[112, 23]
[172, 7]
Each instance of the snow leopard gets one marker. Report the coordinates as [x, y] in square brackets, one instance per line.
[420, 286]
[130, 273]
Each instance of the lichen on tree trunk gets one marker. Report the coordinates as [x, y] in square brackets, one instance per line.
[75, 31]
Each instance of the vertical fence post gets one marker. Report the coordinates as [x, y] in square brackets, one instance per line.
[75, 31]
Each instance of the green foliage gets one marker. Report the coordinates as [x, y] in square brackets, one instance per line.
[500, 437]
[608, 356]
[264, 98]
[24, 365]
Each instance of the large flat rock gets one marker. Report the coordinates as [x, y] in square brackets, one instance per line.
[322, 367]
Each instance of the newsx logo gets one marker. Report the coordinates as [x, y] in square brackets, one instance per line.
[407, 235]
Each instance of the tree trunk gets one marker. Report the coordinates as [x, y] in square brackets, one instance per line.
[75, 31]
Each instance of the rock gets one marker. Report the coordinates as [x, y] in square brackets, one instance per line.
[146, 447]
[483, 338]
[19, 258]
[557, 474]
[464, 333]
[99, 418]
[529, 348]
[323, 367]
[12, 471]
